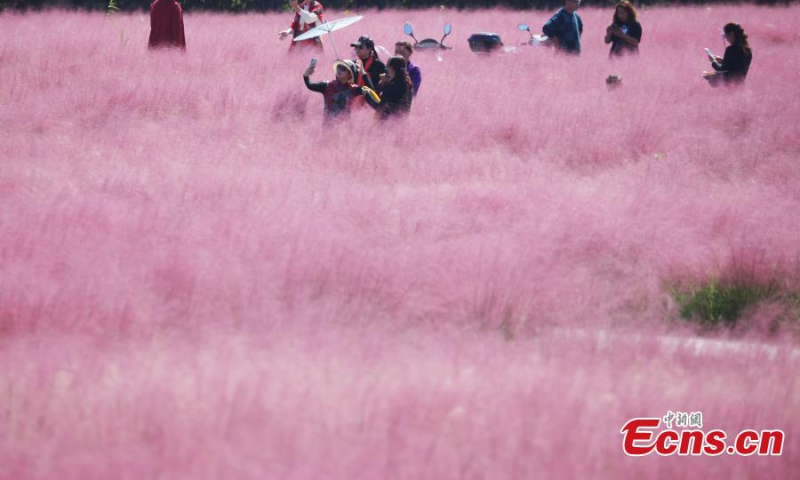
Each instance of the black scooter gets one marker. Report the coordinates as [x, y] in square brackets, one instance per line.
[429, 43]
[488, 43]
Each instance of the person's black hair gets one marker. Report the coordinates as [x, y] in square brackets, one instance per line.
[398, 63]
[628, 7]
[739, 37]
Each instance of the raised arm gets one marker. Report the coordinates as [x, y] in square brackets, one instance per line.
[314, 87]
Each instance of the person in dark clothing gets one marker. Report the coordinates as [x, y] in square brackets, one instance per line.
[733, 67]
[624, 33]
[565, 28]
[371, 64]
[166, 25]
[307, 15]
[337, 94]
[397, 92]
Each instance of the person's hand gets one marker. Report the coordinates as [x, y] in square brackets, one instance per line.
[384, 79]
[717, 59]
[309, 71]
[294, 5]
[282, 35]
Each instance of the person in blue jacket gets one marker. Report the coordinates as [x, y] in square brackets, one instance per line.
[565, 28]
[404, 49]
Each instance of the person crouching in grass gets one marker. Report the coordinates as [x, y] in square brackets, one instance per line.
[336, 94]
[397, 92]
[732, 68]
[166, 25]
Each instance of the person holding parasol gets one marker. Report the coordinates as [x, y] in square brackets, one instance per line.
[307, 15]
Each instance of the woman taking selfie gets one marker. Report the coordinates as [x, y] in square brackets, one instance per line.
[338, 93]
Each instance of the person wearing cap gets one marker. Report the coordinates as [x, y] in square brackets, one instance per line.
[338, 93]
[397, 92]
[166, 25]
[307, 15]
[371, 64]
[404, 49]
[565, 28]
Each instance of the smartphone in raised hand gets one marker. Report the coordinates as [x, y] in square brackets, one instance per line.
[708, 52]
[313, 63]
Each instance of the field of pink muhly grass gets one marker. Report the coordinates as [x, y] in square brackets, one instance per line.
[199, 279]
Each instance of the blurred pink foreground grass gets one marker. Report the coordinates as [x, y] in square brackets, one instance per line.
[201, 280]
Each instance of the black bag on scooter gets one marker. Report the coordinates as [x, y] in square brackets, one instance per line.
[484, 42]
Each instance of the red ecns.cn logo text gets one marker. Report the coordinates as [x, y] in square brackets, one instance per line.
[640, 437]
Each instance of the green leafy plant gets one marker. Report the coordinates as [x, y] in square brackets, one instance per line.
[239, 5]
[720, 302]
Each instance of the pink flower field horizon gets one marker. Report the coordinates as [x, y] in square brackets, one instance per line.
[199, 278]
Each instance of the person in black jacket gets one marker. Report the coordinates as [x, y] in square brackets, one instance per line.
[371, 64]
[733, 67]
[395, 98]
[624, 33]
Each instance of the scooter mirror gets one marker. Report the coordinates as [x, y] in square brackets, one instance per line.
[447, 29]
[407, 29]
[524, 27]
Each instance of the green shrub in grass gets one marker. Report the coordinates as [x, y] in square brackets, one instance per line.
[719, 302]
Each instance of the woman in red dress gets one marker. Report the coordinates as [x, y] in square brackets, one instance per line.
[307, 15]
[166, 25]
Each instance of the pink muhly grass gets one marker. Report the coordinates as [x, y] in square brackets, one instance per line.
[200, 279]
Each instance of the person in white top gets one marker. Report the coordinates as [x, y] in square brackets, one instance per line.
[307, 15]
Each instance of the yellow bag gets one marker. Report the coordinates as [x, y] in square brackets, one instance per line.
[374, 95]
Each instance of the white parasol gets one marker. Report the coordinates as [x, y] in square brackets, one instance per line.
[329, 27]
